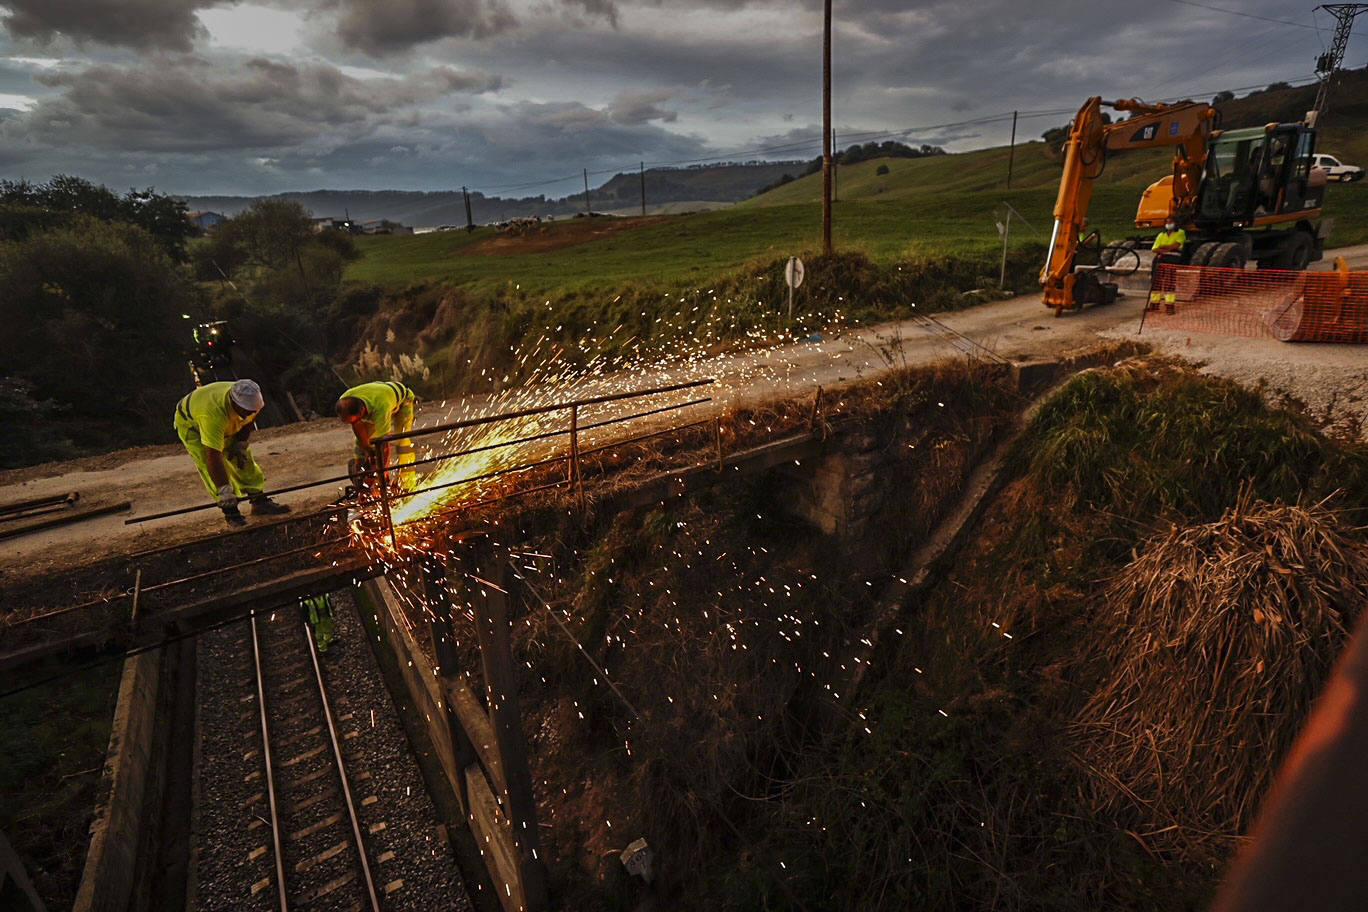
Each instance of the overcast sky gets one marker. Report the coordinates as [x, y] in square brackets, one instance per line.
[516, 96]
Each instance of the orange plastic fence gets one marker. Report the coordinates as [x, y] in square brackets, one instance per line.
[1269, 303]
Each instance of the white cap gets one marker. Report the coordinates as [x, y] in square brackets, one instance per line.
[246, 394]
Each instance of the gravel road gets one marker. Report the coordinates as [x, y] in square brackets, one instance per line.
[1332, 380]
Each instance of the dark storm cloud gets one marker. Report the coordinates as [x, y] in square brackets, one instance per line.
[138, 24]
[265, 125]
[190, 105]
[607, 9]
[395, 26]
[591, 82]
[641, 107]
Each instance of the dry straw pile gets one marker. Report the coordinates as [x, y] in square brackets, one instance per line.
[1217, 638]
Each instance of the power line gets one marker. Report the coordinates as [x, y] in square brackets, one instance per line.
[1219, 9]
[798, 146]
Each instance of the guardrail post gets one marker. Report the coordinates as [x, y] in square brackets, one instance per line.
[384, 495]
[576, 479]
[489, 598]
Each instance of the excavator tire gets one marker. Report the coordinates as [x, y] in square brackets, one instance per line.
[1299, 252]
[1224, 256]
[1227, 256]
[1202, 254]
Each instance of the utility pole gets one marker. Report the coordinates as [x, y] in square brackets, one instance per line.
[587, 211]
[470, 222]
[826, 127]
[643, 189]
[835, 169]
[1329, 63]
[1011, 152]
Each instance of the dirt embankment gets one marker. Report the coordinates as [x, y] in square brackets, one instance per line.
[1329, 379]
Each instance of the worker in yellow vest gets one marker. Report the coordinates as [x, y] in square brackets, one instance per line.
[1168, 253]
[215, 423]
[377, 410]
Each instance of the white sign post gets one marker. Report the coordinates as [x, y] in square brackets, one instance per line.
[793, 275]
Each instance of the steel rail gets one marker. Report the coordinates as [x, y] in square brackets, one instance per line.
[217, 571]
[640, 437]
[540, 409]
[466, 505]
[470, 504]
[52, 500]
[333, 509]
[485, 477]
[342, 771]
[276, 846]
[218, 536]
[113, 600]
[531, 438]
[553, 459]
[471, 422]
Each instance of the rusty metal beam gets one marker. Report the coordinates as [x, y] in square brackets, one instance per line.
[156, 628]
[66, 518]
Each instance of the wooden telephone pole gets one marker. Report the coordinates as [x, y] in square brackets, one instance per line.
[826, 128]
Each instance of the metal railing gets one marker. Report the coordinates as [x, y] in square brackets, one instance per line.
[574, 477]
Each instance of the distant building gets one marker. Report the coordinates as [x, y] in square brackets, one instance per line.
[204, 220]
[329, 223]
[384, 226]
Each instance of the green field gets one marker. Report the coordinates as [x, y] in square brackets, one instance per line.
[946, 204]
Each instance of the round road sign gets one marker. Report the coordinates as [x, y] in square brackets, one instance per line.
[793, 272]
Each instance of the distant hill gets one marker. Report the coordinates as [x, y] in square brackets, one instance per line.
[666, 190]
[1036, 166]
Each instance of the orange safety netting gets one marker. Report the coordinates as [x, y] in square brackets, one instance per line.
[1269, 303]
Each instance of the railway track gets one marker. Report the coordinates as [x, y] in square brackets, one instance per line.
[308, 796]
[320, 853]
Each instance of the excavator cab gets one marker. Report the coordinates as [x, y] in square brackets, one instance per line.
[1258, 176]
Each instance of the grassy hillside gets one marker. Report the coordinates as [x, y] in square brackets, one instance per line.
[926, 230]
[932, 206]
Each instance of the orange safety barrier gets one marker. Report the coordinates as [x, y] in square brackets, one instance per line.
[1268, 303]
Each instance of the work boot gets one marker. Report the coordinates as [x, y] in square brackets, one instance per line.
[234, 516]
[264, 506]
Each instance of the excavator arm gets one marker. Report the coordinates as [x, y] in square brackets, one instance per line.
[1186, 126]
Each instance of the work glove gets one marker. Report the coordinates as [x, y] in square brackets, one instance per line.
[227, 498]
[237, 453]
[357, 470]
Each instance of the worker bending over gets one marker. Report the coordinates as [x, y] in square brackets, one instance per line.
[214, 422]
[378, 410]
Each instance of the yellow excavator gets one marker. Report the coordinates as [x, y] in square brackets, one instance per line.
[1240, 195]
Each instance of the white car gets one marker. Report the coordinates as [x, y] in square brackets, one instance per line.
[1335, 169]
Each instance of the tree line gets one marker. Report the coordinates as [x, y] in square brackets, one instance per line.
[854, 154]
[100, 293]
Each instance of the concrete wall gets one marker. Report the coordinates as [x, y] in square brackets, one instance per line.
[460, 735]
[125, 867]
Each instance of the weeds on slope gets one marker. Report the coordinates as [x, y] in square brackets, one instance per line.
[992, 778]
[1216, 640]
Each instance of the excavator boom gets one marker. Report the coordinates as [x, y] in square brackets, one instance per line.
[1186, 126]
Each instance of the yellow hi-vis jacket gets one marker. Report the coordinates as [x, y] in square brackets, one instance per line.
[1166, 238]
[209, 412]
[384, 400]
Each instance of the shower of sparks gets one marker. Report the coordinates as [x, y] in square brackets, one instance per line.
[775, 615]
[475, 463]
